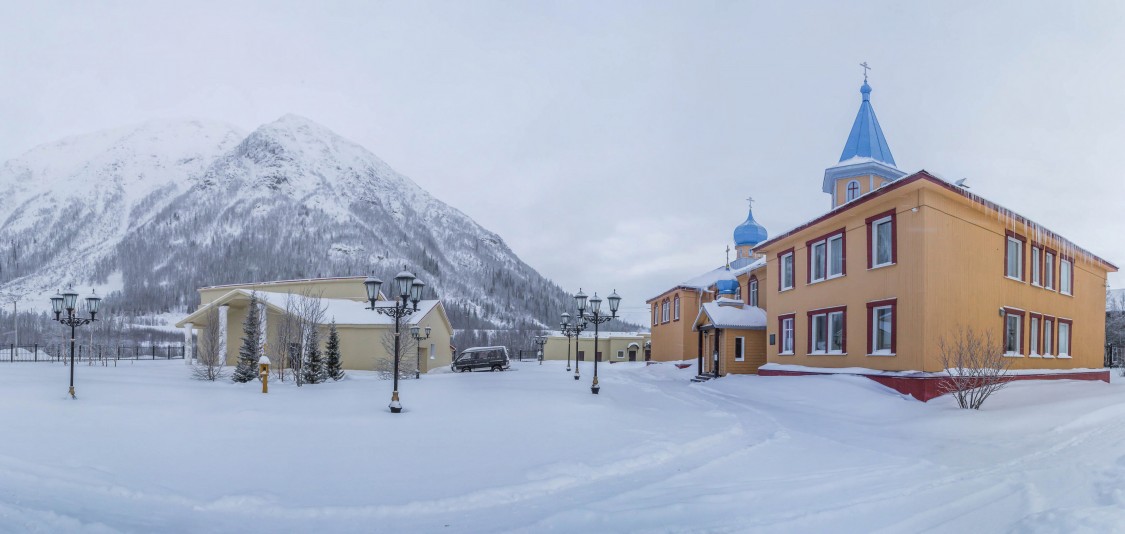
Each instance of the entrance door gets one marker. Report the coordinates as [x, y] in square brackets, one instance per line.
[632, 355]
[581, 355]
[648, 355]
[598, 355]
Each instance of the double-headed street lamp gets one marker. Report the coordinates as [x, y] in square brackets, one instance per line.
[571, 331]
[407, 289]
[417, 341]
[595, 316]
[68, 301]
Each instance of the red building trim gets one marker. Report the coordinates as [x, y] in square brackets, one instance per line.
[825, 312]
[1069, 336]
[827, 260]
[894, 236]
[1038, 333]
[781, 268]
[781, 332]
[1043, 272]
[1023, 326]
[893, 303]
[927, 388]
[1048, 351]
[1023, 253]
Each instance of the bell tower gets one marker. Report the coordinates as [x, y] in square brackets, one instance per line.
[866, 163]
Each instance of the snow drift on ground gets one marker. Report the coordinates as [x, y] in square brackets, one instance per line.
[146, 449]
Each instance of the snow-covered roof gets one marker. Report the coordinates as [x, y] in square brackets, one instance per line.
[731, 313]
[1014, 218]
[709, 278]
[343, 311]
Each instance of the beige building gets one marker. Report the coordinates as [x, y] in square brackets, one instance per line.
[363, 332]
[612, 347]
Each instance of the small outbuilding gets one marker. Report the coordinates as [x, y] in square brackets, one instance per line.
[734, 336]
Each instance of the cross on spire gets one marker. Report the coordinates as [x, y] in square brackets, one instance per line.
[728, 257]
[865, 69]
[750, 200]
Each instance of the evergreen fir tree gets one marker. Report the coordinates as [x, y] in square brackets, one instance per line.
[313, 367]
[334, 367]
[251, 349]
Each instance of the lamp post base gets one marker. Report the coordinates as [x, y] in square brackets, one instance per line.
[594, 388]
[72, 395]
[568, 369]
[394, 405]
[576, 376]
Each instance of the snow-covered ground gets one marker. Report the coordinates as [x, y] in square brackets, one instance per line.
[146, 449]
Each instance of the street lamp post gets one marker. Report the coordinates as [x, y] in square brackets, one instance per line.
[571, 330]
[68, 301]
[417, 341]
[540, 341]
[595, 316]
[407, 289]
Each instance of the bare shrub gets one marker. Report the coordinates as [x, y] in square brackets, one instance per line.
[209, 363]
[975, 366]
[408, 350]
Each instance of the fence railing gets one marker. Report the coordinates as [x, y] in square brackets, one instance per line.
[57, 352]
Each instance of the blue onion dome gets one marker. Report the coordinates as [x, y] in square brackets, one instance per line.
[749, 233]
[865, 90]
[727, 286]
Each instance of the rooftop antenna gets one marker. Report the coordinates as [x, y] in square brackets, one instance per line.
[865, 69]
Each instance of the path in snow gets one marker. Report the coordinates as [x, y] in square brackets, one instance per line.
[146, 449]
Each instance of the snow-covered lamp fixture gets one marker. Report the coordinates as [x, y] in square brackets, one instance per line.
[403, 281]
[57, 304]
[614, 301]
[70, 298]
[565, 320]
[414, 331]
[372, 285]
[416, 292]
[428, 330]
[580, 300]
[595, 304]
[92, 303]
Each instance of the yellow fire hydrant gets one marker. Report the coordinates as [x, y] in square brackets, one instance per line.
[264, 372]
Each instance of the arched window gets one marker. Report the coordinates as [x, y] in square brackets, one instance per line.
[738, 292]
[753, 291]
[676, 307]
[853, 190]
[654, 317]
[664, 311]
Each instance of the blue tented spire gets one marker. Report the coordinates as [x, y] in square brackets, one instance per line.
[866, 138]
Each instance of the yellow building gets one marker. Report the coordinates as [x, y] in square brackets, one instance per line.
[612, 347]
[363, 333]
[902, 263]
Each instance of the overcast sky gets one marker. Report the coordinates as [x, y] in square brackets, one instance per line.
[612, 144]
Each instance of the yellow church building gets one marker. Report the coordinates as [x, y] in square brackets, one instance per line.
[899, 263]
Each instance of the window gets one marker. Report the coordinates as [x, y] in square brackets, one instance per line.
[826, 256]
[1034, 334]
[853, 190]
[664, 311]
[620, 355]
[739, 346]
[654, 316]
[738, 292]
[786, 328]
[1036, 256]
[881, 247]
[881, 332]
[677, 307]
[827, 331]
[753, 291]
[1049, 269]
[1013, 332]
[785, 273]
[1066, 268]
[1048, 336]
[1064, 338]
[1013, 256]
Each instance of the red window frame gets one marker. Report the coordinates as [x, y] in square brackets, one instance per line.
[751, 285]
[1039, 246]
[1038, 333]
[1048, 351]
[825, 312]
[1023, 327]
[1043, 270]
[1058, 283]
[843, 254]
[893, 303]
[781, 333]
[781, 268]
[870, 241]
[1023, 254]
[1069, 337]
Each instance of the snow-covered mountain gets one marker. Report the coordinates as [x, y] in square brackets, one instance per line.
[155, 211]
